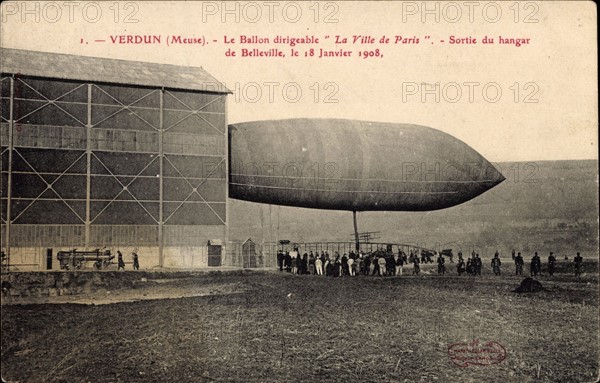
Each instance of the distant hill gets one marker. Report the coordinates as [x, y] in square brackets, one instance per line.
[542, 206]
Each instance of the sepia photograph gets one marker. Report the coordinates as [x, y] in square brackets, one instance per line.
[299, 191]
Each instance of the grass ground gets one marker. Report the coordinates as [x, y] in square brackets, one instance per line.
[278, 327]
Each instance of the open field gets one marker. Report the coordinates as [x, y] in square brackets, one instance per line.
[248, 326]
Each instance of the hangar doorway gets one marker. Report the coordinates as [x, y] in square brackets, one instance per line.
[215, 248]
[251, 255]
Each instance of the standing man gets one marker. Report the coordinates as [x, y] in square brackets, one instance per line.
[519, 264]
[280, 257]
[319, 266]
[578, 261]
[382, 265]
[551, 264]
[440, 262]
[287, 259]
[416, 267]
[136, 262]
[400, 263]
[478, 264]
[375, 263]
[460, 266]
[496, 264]
[345, 268]
[351, 265]
[361, 264]
[536, 264]
[120, 262]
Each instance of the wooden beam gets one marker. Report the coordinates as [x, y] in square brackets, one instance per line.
[356, 241]
[161, 155]
[11, 124]
[88, 176]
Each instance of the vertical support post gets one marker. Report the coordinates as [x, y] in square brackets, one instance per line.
[356, 242]
[227, 164]
[277, 235]
[160, 180]
[270, 223]
[11, 124]
[88, 174]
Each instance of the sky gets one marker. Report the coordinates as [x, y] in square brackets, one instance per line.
[534, 102]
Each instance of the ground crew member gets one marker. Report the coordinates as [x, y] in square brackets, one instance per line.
[287, 259]
[536, 264]
[136, 262]
[478, 264]
[519, 264]
[399, 264]
[375, 263]
[390, 264]
[551, 264]
[120, 262]
[319, 266]
[382, 266]
[441, 267]
[470, 267]
[496, 264]
[460, 267]
[578, 261]
[416, 267]
[368, 264]
[280, 257]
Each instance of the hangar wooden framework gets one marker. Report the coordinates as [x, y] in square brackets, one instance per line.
[111, 153]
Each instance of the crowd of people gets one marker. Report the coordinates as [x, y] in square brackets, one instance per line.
[378, 262]
[387, 263]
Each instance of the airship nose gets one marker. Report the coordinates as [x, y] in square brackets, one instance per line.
[497, 177]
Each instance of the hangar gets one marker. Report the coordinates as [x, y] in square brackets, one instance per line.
[111, 153]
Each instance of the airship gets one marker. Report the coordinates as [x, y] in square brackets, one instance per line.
[354, 165]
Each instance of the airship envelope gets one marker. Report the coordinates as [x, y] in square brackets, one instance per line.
[354, 165]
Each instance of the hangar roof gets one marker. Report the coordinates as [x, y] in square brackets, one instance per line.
[96, 69]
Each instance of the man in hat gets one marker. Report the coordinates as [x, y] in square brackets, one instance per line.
[519, 264]
[536, 265]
